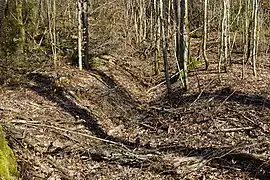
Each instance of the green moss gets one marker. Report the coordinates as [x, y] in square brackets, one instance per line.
[195, 35]
[98, 62]
[193, 64]
[8, 168]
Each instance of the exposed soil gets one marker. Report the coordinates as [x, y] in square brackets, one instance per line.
[106, 124]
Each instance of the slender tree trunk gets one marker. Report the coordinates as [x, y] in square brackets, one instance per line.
[178, 32]
[248, 31]
[205, 34]
[226, 35]
[85, 34]
[19, 11]
[175, 37]
[54, 35]
[80, 38]
[2, 13]
[183, 39]
[255, 42]
[157, 38]
[247, 36]
[51, 15]
[164, 47]
[221, 43]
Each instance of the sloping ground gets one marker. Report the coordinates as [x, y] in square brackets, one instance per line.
[105, 124]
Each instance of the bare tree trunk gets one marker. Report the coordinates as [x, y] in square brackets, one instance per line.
[2, 13]
[183, 39]
[255, 41]
[157, 38]
[247, 31]
[186, 44]
[19, 11]
[51, 15]
[247, 37]
[85, 33]
[164, 47]
[80, 38]
[205, 34]
[226, 35]
[221, 43]
[54, 35]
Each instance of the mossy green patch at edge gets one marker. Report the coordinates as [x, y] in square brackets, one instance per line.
[8, 167]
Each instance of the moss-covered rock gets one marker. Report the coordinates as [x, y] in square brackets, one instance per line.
[8, 168]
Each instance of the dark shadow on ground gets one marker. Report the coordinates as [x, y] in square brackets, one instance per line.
[177, 98]
[45, 86]
[225, 158]
[110, 82]
[221, 158]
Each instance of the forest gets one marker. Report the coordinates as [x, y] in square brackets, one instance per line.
[134, 89]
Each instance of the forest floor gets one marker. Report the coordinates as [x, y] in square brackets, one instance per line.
[110, 123]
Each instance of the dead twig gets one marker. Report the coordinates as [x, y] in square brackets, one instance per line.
[224, 101]
[198, 97]
[236, 129]
[72, 132]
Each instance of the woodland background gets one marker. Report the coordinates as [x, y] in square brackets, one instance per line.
[137, 89]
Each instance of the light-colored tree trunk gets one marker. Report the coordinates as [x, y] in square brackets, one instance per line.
[54, 35]
[255, 28]
[205, 33]
[226, 33]
[80, 37]
[221, 43]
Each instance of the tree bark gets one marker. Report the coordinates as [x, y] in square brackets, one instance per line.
[85, 34]
[80, 40]
[164, 46]
[2, 13]
[205, 34]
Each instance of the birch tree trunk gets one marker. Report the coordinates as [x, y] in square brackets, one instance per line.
[80, 33]
[205, 34]
[255, 28]
[226, 34]
[54, 35]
